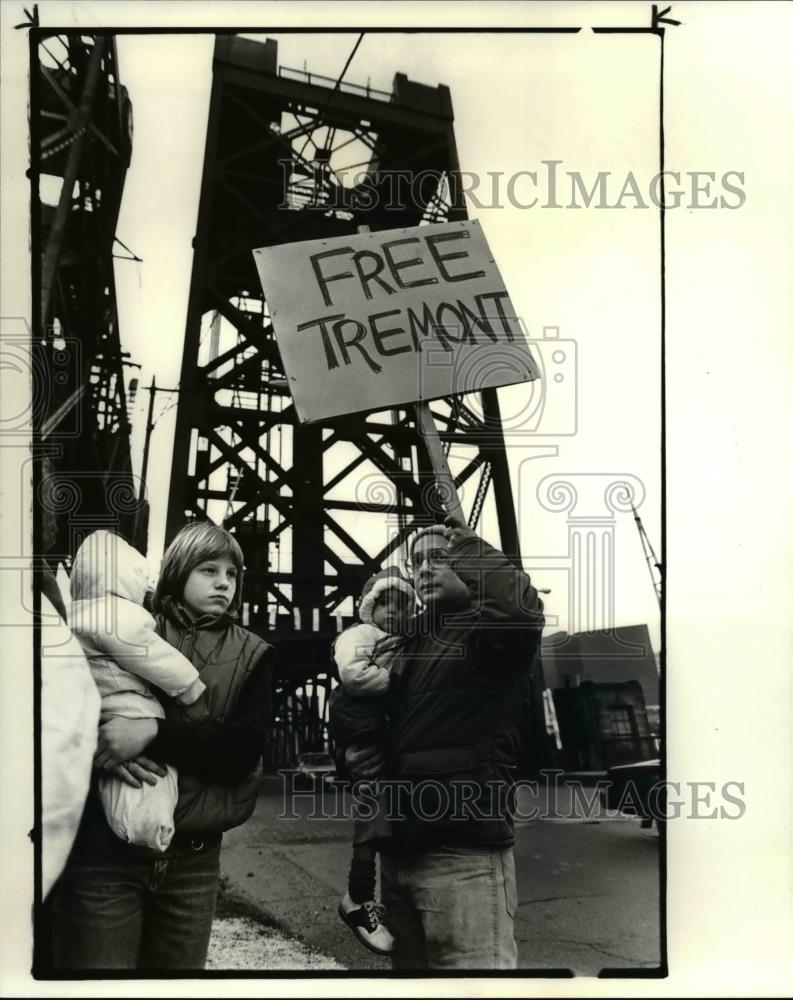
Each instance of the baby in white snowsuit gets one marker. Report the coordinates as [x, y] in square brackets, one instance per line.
[108, 583]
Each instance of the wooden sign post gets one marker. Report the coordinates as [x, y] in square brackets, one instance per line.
[443, 474]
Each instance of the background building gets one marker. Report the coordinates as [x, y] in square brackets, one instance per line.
[606, 696]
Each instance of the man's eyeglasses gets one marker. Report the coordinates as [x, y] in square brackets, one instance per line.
[435, 559]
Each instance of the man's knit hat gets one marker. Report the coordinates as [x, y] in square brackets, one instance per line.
[432, 529]
[377, 585]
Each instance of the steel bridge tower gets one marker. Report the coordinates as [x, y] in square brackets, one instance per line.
[81, 127]
[315, 509]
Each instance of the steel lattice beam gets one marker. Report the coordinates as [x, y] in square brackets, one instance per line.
[83, 117]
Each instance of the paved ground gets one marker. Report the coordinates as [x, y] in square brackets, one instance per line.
[588, 890]
[244, 940]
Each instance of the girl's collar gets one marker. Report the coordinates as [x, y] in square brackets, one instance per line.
[177, 613]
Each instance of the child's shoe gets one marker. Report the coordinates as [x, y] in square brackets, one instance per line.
[365, 921]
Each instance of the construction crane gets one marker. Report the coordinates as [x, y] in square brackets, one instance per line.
[653, 564]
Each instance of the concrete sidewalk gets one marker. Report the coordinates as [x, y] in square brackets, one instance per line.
[588, 889]
[243, 939]
[294, 872]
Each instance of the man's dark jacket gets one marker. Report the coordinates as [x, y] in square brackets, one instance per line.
[457, 706]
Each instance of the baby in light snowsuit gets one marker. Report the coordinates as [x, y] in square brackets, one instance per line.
[108, 582]
[364, 655]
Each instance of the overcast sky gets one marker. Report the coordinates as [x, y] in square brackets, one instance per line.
[589, 101]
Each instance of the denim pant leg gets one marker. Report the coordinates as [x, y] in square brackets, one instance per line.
[179, 910]
[97, 916]
[466, 900]
[402, 918]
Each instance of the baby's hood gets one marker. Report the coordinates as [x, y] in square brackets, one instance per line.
[106, 565]
[376, 585]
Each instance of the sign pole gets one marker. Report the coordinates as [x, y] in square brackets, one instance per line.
[443, 475]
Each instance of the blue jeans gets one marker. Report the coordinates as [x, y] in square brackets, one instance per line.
[136, 914]
[451, 908]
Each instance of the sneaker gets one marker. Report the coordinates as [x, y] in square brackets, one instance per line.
[365, 920]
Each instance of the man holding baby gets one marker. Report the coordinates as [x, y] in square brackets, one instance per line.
[456, 730]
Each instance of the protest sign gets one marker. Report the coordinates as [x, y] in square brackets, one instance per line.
[377, 320]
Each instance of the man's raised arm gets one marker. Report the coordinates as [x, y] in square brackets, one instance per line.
[501, 593]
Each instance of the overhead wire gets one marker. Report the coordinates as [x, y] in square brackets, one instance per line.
[335, 88]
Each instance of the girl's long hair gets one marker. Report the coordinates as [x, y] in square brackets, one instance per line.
[195, 544]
